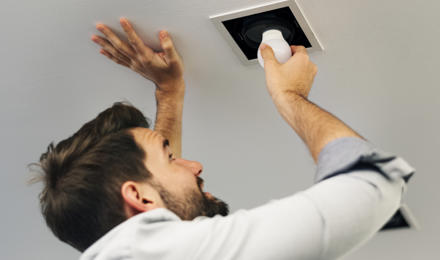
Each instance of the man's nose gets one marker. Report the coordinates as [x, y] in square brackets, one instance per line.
[195, 167]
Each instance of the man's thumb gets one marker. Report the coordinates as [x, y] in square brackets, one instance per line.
[267, 53]
[167, 46]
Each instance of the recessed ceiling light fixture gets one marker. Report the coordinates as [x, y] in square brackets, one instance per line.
[243, 29]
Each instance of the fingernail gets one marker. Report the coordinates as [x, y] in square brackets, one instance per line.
[263, 46]
[99, 26]
[163, 34]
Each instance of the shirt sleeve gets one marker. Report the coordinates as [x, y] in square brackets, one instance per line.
[346, 154]
[358, 189]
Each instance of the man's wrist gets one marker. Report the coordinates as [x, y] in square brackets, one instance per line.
[173, 90]
[287, 98]
[169, 99]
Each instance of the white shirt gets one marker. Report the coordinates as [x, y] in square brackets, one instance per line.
[359, 188]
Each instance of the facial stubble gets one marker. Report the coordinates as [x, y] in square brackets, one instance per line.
[193, 203]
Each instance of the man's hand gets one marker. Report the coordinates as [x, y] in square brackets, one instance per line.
[165, 68]
[293, 77]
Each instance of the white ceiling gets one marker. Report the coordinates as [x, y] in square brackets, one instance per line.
[378, 73]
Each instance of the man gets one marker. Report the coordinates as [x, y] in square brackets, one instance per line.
[118, 190]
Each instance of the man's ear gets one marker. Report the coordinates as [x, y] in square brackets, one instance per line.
[137, 197]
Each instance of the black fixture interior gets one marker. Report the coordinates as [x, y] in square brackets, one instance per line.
[247, 31]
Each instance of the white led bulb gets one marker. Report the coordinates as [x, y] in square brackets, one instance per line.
[281, 49]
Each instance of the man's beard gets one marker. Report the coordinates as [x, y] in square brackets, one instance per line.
[193, 204]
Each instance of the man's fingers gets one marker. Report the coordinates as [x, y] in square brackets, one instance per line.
[109, 48]
[115, 41]
[268, 55]
[134, 39]
[110, 56]
[298, 48]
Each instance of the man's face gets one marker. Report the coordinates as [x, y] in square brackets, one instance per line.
[177, 180]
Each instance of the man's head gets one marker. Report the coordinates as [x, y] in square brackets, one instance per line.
[175, 185]
[114, 167]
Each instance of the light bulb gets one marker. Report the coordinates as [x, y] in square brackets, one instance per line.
[274, 38]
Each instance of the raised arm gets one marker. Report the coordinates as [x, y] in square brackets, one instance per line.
[289, 85]
[164, 68]
[169, 115]
[359, 187]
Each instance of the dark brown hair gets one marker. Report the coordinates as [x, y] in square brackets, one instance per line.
[81, 199]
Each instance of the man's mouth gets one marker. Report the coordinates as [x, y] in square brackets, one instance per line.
[201, 185]
[200, 182]
[209, 195]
